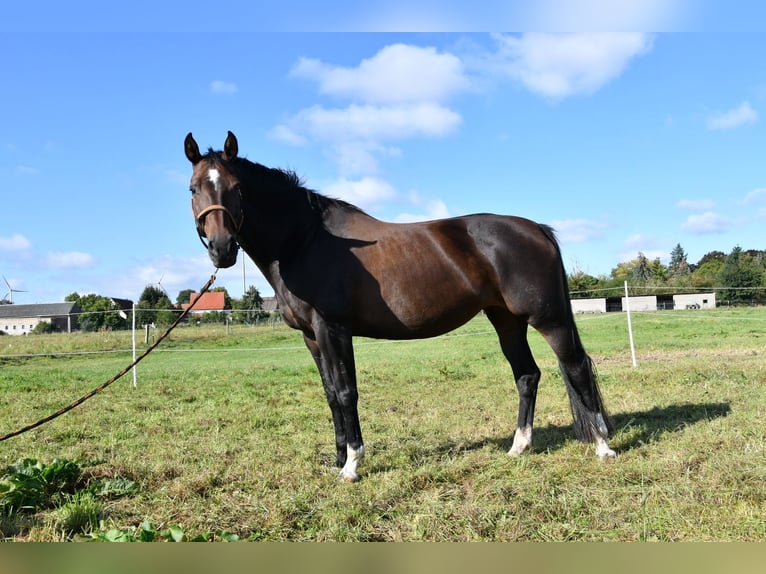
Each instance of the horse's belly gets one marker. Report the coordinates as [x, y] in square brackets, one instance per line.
[424, 312]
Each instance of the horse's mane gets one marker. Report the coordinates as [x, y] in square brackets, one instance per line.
[285, 180]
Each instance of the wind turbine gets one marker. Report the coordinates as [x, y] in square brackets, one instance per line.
[159, 284]
[11, 291]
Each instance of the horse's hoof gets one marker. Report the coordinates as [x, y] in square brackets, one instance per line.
[606, 454]
[349, 479]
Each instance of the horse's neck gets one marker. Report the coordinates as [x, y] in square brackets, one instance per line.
[278, 226]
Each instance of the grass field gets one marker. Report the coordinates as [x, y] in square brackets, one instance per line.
[229, 433]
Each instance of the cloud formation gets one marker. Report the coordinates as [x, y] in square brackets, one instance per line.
[15, 242]
[696, 204]
[708, 222]
[755, 197]
[405, 92]
[578, 230]
[70, 260]
[219, 87]
[398, 73]
[397, 94]
[561, 65]
[365, 192]
[737, 117]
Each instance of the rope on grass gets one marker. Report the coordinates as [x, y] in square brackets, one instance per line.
[104, 385]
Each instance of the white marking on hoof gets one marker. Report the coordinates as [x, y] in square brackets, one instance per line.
[603, 450]
[522, 441]
[348, 472]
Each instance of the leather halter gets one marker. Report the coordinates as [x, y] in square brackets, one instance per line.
[216, 207]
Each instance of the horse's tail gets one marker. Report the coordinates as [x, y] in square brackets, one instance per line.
[587, 423]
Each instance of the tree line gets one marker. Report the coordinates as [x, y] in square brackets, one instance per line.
[154, 307]
[737, 277]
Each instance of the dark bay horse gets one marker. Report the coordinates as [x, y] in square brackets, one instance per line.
[338, 272]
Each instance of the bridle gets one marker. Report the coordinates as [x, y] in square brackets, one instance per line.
[200, 219]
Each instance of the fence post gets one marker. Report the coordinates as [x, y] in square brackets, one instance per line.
[630, 327]
[135, 382]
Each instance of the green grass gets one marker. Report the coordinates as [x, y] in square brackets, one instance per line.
[230, 433]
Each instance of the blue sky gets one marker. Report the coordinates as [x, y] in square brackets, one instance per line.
[623, 141]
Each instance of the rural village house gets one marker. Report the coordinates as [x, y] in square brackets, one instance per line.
[210, 301]
[22, 319]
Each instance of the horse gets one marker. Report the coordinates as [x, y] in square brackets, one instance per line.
[338, 272]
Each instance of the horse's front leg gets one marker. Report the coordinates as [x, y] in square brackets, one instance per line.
[336, 360]
[332, 400]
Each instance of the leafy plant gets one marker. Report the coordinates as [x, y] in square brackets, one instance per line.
[29, 484]
[145, 532]
[115, 487]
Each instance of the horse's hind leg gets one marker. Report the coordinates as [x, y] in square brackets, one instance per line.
[591, 421]
[512, 333]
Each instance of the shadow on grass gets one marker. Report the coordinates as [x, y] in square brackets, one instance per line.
[632, 429]
[635, 429]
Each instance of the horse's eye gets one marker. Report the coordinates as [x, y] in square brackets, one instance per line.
[193, 190]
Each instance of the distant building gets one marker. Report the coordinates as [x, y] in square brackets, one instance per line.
[589, 305]
[210, 301]
[646, 303]
[22, 319]
[695, 301]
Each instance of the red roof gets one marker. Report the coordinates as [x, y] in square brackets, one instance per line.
[210, 301]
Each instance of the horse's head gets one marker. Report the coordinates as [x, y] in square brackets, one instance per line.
[216, 201]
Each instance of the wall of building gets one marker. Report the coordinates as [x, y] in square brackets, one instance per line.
[589, 305]
[21, 326]
[694, 301]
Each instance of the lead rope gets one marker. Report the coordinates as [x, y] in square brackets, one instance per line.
[104, 385]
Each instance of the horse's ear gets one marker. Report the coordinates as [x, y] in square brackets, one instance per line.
[192, 149]
[231, 147]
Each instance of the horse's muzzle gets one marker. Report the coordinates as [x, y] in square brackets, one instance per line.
[223, 251]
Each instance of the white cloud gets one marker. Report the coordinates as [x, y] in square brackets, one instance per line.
[562, 65]
[287, 135]
[641, 242]
[365, 193]
[220, 87]
[397, 74]
[696, 204]
[708, 222]
[70, 260]
[357, 134]
[578, 230]
[15, 242]
[430, 209]
[736, 117]
[397, 94]
[372, 123]
[26, 170]
[755, 196]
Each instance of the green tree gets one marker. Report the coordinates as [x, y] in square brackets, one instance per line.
[642, 270]
[154, 306]
[679, 265]
[249, 308]
[580, 283]
[742, 274]
[712, 256]
[183, 296]
[97, 312]
[706, 274]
